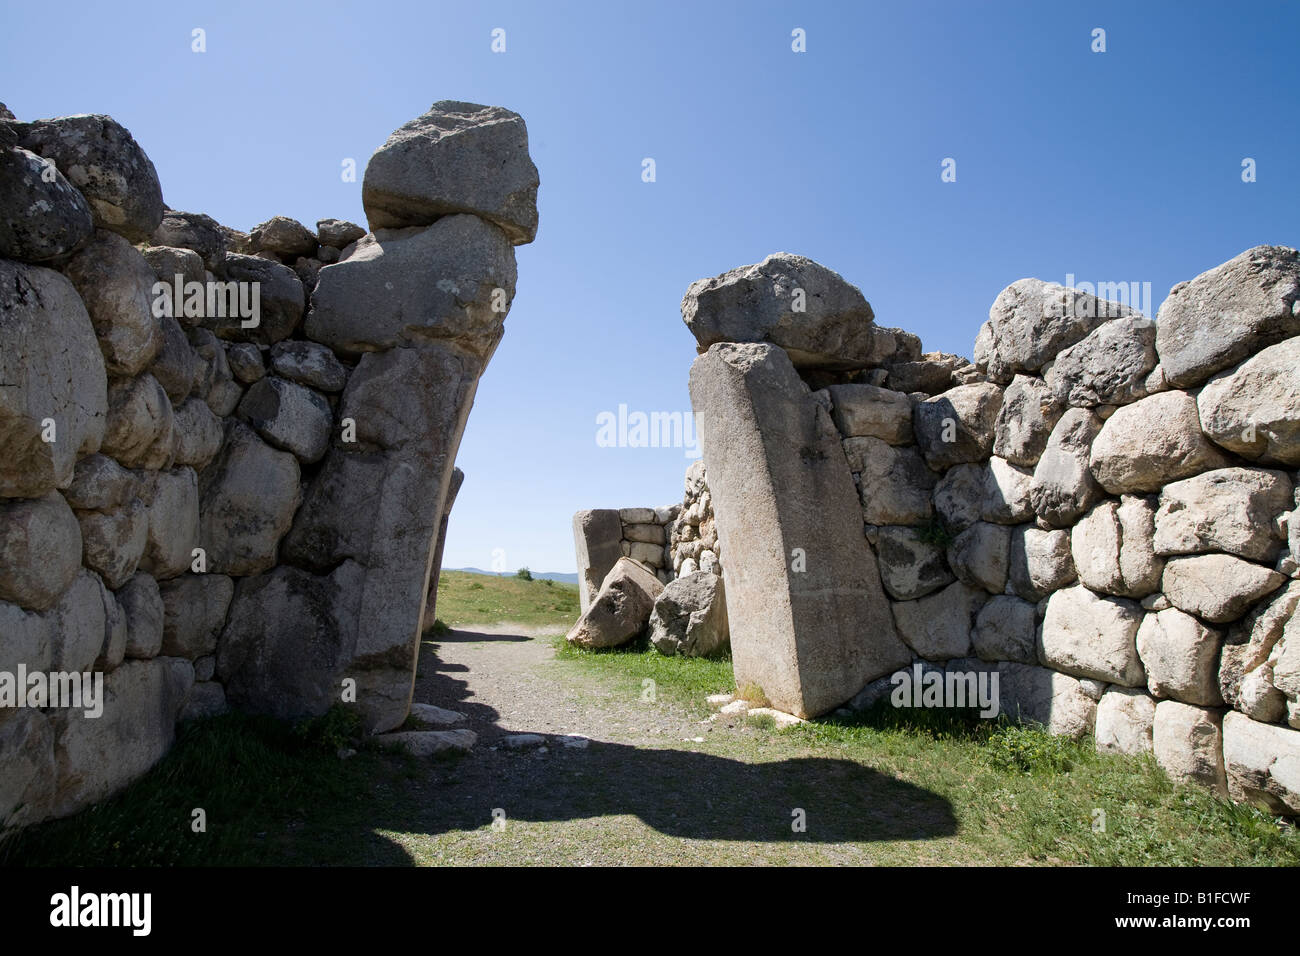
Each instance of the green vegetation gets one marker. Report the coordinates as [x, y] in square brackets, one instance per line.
[685, 681]
[524, 574]
[466, 599]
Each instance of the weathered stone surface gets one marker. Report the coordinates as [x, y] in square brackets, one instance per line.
[280, 301]
[1125, 718]
[1041, 562]
[44, 216]
[959, 496]
[690, 617]
[1109, 366]
[1225, 314]
[206, 699]
[894, 483]
[451, 281]
[1254, 409]
[435, 716]
[198, 434]
[81, 623]
[248, 498]
[338, 233]
[143, 606]
[245, 361]
[867, 411]
[114, 282]
[1005, 631]
[1006, 494]
[176, 367]
[1039, 695]
[98, 482]
[426, 743]
[168, 262]
[957, 426]
[636, 515]
[621, 608]
[28, 639]
[141, 702]
[101, 158]
[1031, 321]
[173, 500]
[759, 303]
[214, 382]
[1087, 635]
[282, 236]
[938, 627]
[1233, 510]
[1247, 652]
[27, 754]
[1063, 487]
[1025, 421]
[456, 158]
[596, 536]
[193, 231]
[1217, 587]
[1181, 657]
[289, 416]
[1188, 744]
[910, 567]
[40, 550]
[1151, 443]
[979, 556]
[310, 364]
[140, 425]
[113, 540]
[1262, 763]
[1112, 548]
[813, 638]
[194, 612]
[52, 369]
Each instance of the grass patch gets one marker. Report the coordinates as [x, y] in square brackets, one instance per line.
[466, 599]
[683, 680]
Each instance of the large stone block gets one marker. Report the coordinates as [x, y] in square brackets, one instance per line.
[1112, 548]
[1150, 443]
[1232, 510]
[1263, 763]
[1109, 366]
[114, 281]
[1217, 587]
[809, 620]
[1180, 656]
[42, 215]
[1125, 717]
[958, 425]
[894, 483]
[867, 411]
[1029, 413]
[1041, 562]
[1038, 695]
[938, 627]
[1087, 635]
[621, 608]
[248, 497]
[1188, 744]
[1063, 487]
[596, 536]
[40, 550]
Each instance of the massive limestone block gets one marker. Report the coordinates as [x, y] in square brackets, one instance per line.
[1031, 321]
[193, 231]
[28, 639]
[809, 638]
[81, 623]
[140, 425]
[51, 368]
[40, 550]
[435, 566]
[283, 237]
[198, 432]
[168, 262]
[1233, 510]
[379, 500]
[1152, 442]
[1039, 695]
[979, 556]
[456, 158]
[1262, 763]
[1041, 562]
[280, 300]
[894, 483]
[338, 233]
[596, 536]
[910, 566]
[959, 496]
[1005, 630]
[42, 215]
[957, 426]
[194, 613]
[1254, 409]
[176, 366]
[114, 281]
[1007, 497]
[310, 364]
[867, 411]
[621, 608]
[102, 159]
[113, 540]
[1188, 744]
[27, 756]
[1229, 312]
[453, 280]
[760, 303]
[1125, 718]
[1109, 366]
[289, 416]
[1181, 657]
[1112, 548]
[1063, 487]
[95, 757]
[100, 483]
[1247, 652]
[938, 627]
[1088, 635]
[248, 497]
[1029, 413]
[1217, 587]
[172, 497]
[143, 606]
[214, 382]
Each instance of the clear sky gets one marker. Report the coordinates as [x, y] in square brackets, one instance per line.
[1117, 166]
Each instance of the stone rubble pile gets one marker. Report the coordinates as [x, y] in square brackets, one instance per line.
[215, 493]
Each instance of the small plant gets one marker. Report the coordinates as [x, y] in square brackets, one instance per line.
[754, 694]
[761, 721]
[934, 533]
[548, 582]
[1029, 750]
[524, 574]
[338, 727]
[475, 586]
[439, 626]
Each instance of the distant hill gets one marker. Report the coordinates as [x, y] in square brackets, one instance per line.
[570, 577]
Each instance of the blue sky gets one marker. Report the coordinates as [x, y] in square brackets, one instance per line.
[1115, 166]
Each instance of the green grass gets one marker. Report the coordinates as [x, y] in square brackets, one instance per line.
[466, 599]
[686, 681]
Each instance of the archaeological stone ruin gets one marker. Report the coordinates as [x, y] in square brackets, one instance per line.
[227, 456]
[1101, 509]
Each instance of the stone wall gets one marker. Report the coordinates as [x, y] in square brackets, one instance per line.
[232, 506]
[1100, 508]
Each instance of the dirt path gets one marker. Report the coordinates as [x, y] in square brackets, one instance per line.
[651, 784]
